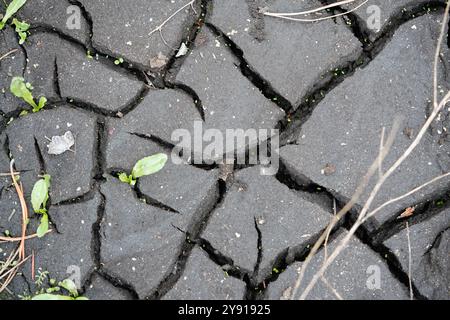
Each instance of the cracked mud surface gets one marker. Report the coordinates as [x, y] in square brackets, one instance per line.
[204, 231]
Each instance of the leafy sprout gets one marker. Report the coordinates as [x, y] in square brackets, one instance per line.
[67, 285]
[39, 198]
[21, 29]
[144, 167]
[118, 61]
[22, 90]
[42, 276]
[11, 10]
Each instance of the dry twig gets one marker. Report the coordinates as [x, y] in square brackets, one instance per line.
[365, 213]
[411, 294]
[8, 54]
[159, 28]
[17, 258]
[288, 16]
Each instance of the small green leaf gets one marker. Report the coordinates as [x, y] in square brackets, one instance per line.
[43, 226]
[41, 211]
[42, 102]
[70, 286]
[21, 29]
[20, 90]
[20, 26]
[124, 177]
[53, 289]
[39, 195]
[13, 7]
[118, 61]
[149, 165]
[127, 179]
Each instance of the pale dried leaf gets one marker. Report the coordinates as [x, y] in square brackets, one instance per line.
[182, 51]
[61, 144]
[407, 213]
[159, 61]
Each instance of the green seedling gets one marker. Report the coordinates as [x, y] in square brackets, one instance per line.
[118, 61]
[67, 285]
[41, 278]
[144, 167]
[22, 90]
[440, 203]
[39, 198]
[11, 10]
[21, 29]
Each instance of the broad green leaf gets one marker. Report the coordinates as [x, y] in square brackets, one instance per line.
[47, 296]
[43, 226]
[70, 286]
[19, 89]
[11, 10]
[39, 195]
[82, 298]
[149, 165]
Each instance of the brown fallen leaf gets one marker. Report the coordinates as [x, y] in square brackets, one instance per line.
[407, 213]
[159, 61]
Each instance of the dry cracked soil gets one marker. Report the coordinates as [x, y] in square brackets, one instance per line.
[207, 231]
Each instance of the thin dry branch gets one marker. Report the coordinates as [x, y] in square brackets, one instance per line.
[332, 289]
[23, 204]
[364, 212]
[349, 205]
[17, 239]
[411, 294]
[8, 54]
[288, 16]
[9, 174]
[9, 268]
[11, 273]
[159, 28]
[302, 13]
[407, 194]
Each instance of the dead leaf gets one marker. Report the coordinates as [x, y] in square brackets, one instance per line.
[407, 213]
[182, 51]
[61, 144]
[159, 61]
